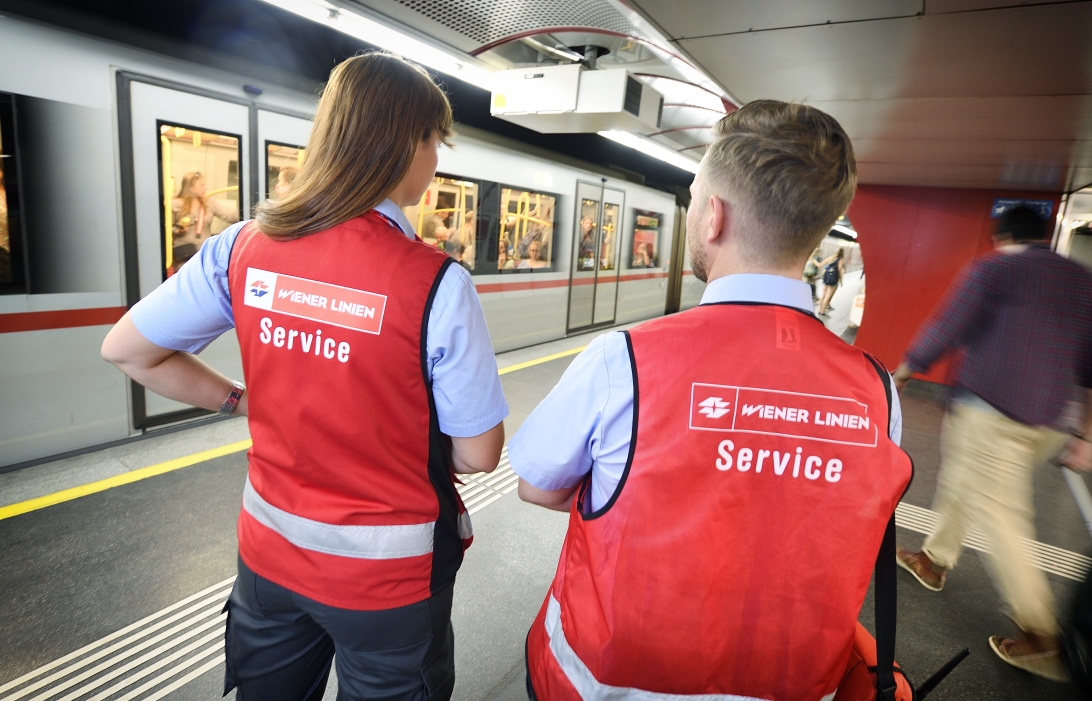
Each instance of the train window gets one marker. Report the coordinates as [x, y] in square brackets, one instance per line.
[446, 217]
[589, 215]
[646, 238]
[13, 278]
[199, 184]
[608, 246]
[527, 230]
[282, 162]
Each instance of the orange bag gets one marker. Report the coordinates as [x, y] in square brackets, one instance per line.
[859, 682]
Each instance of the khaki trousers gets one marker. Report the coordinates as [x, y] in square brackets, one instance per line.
[985, 481]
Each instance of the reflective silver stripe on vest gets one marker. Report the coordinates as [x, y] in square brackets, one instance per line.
[363, 542]
[590, 688]
[466, 528]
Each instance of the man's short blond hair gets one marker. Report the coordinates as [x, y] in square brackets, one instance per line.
[790, 172]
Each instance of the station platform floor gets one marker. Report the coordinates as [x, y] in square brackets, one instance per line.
[114, 574]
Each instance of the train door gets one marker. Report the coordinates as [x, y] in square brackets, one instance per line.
[678, 258]
[282, 139]
[593, 288]
[184, 179]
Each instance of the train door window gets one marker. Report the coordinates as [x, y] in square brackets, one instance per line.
[608, 245]
[13, 278]
[446, 217]
[282, 163]
[646, 239]
[199, 185]
[589, 230]
[606, 280]
[527, 230]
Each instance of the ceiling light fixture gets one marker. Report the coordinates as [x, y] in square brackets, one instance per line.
[845, 230]
[372, 32]
[651, 148]
[384, 37]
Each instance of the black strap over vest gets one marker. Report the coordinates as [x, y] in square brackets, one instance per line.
[886, 589]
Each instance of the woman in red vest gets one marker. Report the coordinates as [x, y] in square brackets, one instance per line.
[364, 352]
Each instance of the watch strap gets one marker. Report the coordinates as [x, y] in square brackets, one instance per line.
[232, 401]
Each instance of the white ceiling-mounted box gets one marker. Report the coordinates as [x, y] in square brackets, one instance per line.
[533, 90]
[571, 99]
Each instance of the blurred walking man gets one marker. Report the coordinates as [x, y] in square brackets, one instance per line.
[1023, 315]
[729, 471]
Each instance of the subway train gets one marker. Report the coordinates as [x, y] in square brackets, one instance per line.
[119, 162]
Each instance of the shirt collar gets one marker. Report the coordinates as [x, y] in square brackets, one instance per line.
[394, 213]
[761, 288]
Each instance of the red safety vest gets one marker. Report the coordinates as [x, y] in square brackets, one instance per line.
[734, 557]
[349, 498]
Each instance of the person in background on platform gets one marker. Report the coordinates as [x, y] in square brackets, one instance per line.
[192, 215]
[700, 560]
[834, 269]
[811, 271]
[351, 530]
[285, 177]
[1022, 316]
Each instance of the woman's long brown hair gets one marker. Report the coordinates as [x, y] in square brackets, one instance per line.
[376, 110]
[185, 193]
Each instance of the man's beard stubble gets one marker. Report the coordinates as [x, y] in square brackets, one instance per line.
[699, 262]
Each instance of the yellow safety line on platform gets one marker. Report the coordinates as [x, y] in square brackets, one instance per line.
[539, 361]
[118, 480]
[178, 463]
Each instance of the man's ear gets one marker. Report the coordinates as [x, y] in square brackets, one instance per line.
[718, 219]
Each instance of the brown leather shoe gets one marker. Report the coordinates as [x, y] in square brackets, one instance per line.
[930, 574]
[1032, 653]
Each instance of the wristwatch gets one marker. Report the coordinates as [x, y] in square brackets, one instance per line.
[232, 401]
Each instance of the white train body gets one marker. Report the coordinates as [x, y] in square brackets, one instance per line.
[96, 120]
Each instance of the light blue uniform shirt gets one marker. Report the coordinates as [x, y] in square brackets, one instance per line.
[193, 307]
[585, 423]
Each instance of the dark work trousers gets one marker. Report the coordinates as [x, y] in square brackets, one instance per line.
[279, 645]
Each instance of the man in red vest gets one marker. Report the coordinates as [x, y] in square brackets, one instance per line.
[718, 462]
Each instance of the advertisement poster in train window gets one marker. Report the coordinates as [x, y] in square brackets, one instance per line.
[646, 235]
[199, 188]
[12, 264]
[527, 227]
[447, 217]
[282, 163]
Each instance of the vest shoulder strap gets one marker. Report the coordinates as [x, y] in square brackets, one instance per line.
[886, 587]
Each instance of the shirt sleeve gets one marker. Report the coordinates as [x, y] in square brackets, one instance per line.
[895, 427]
[962, 313]
[465, 384]
[584, 425]
[193, 307]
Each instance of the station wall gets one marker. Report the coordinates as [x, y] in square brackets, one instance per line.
[914, 241]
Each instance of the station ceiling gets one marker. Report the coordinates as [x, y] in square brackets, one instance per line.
[947, 93]
[942, 93]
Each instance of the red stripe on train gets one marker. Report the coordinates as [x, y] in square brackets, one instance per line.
[60, 319]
